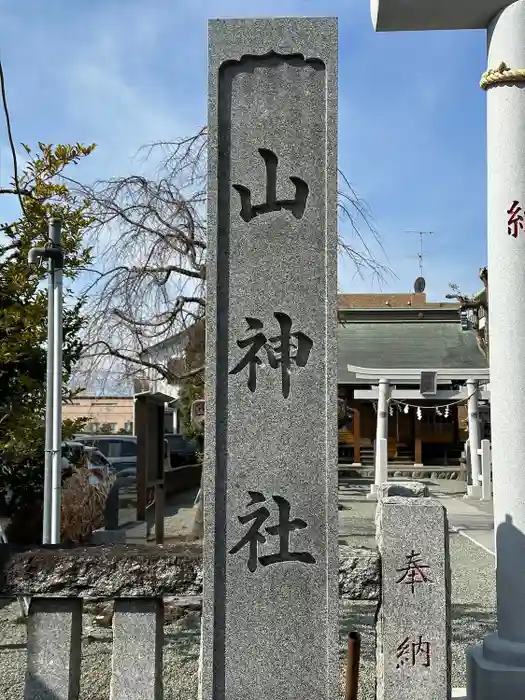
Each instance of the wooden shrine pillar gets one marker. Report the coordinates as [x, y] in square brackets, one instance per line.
[357, 435]
[418, 446]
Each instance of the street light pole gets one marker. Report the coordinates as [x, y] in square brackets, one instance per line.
[56, 475]
[54, 236]
[53, 420]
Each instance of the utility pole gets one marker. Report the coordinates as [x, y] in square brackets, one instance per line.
[53, 426]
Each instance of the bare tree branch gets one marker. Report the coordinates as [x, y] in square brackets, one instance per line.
[149, 237]
[21, 191]
[466, 302]
[142, 362]
[17, 190]
[471, 302]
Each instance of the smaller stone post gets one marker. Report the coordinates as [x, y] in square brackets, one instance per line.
[54, 648]
[381, 434]
[474, 489]
[413, 626]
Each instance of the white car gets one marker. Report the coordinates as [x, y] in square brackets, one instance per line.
[74, 453]
[98, 464]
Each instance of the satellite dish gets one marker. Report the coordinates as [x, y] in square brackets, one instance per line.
[419, 285]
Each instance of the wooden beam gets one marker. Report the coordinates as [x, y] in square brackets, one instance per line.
[402, 375]
[410, 394]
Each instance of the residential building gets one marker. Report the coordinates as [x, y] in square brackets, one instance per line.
[168, 353]
[114, 413]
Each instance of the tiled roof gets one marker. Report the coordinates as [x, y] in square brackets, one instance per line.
[395, 301]
[413, 345]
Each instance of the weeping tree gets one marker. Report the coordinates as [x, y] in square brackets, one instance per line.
[149, 239]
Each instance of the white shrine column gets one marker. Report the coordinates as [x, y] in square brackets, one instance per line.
[381, 434]
[474, 489]
[496, 669]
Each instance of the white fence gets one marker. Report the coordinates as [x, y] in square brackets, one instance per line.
[485, 477]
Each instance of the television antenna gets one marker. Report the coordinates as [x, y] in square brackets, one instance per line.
[421, 235]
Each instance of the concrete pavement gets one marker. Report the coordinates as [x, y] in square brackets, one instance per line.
[472, 519]
[475, 521]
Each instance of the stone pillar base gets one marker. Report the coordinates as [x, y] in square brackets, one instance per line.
[473, 491]
[495, 670]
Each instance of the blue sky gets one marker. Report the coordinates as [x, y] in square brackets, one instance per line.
[122, 73]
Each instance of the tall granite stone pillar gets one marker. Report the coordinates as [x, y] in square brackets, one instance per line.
[270, 485]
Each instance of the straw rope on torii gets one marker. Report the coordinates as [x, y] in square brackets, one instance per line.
[433, 407]
[502, 75]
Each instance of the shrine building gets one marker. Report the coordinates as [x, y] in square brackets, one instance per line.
[424, 353]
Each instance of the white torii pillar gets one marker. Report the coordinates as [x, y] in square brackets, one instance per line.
[381, 453]
[496, 668]
[474, 489]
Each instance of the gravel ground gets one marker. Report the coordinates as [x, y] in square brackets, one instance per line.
[472, 618]
[181, 654]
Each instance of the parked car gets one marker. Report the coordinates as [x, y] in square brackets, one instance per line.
[72, 454]
[75, 453]
[181, 450]
[98, 464]
[120, 451]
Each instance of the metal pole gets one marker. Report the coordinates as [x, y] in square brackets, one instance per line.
[54, 236]
[352, 666]
[57, 396]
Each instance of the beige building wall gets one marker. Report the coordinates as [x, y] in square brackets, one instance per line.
[116, 411]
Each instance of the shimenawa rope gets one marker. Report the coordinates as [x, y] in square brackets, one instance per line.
[501, 75]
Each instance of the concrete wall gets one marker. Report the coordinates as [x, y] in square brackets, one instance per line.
[182, 478]
[101, 409]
